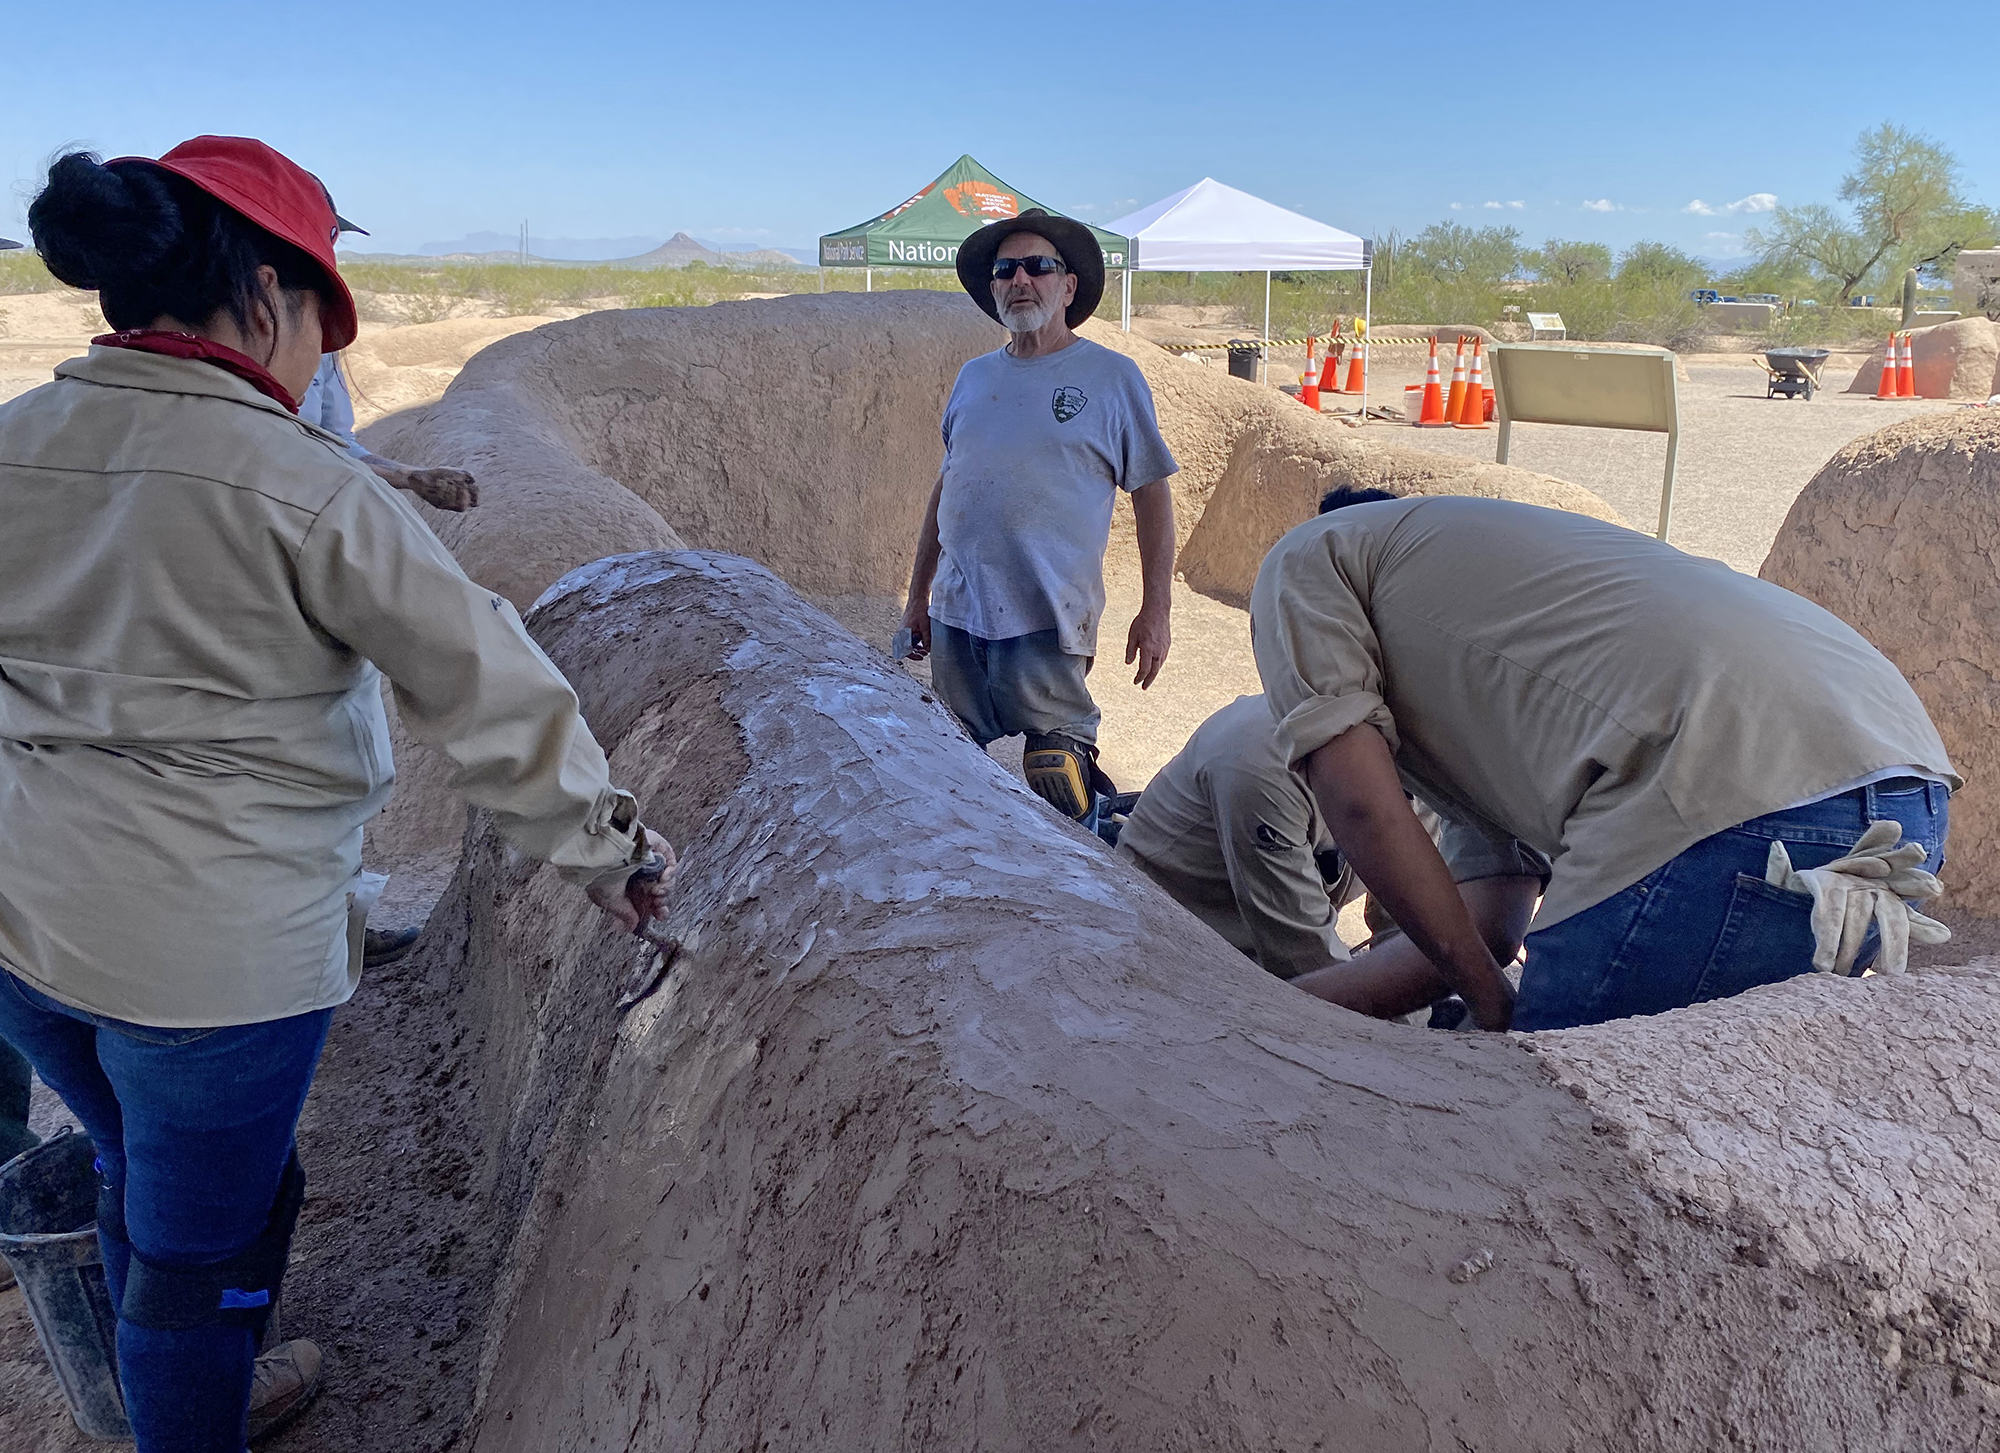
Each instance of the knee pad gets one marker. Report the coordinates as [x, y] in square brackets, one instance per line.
[1059, 772]
[237, 1292]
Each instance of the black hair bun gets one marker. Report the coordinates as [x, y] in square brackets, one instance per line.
[97, 226]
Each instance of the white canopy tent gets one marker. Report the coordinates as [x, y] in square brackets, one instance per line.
[1209, 227]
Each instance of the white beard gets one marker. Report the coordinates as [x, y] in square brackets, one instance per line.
[1028, 317]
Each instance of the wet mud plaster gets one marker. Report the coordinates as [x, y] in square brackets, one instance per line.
[946, 1132]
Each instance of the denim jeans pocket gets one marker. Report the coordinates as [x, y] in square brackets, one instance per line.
[154, 1034]
[1766, 937]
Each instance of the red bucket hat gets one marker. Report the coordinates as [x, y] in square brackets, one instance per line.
[278, 195]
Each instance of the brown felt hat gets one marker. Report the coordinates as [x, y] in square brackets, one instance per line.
[1075, 243]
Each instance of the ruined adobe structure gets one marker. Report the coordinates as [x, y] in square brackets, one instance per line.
[803, 433]
[1897, 535]
[947, 1132]
[1975, 281]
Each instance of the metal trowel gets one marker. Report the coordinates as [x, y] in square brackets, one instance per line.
[656, 956]
[657, 951]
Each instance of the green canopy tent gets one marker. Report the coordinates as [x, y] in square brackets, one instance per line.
[926, 230]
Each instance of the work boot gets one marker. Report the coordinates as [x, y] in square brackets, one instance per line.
[282, 1382]
[386, 945]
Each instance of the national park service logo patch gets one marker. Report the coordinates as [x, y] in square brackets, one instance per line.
[1068, 403]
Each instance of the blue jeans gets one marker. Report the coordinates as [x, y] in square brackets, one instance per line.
[15, 1084]
[1707, 925]
[194, 1129]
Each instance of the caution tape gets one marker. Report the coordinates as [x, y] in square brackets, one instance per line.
[1283, 343]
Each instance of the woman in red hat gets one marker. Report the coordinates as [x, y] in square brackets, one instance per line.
[200, 589]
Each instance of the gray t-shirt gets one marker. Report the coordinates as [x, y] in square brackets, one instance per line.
[1034, 449]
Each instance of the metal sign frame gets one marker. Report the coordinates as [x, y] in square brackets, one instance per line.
[1600, 388]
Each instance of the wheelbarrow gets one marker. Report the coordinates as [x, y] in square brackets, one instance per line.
[1793, 373]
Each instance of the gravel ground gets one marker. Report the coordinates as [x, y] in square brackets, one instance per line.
[1743, 457]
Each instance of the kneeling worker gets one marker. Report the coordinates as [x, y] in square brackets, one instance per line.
[1236, 840]
[1651, 721]
[1039, 436]
[1234, 836]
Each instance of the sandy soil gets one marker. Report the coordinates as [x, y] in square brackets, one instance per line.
[1743, 457]
[391, 366]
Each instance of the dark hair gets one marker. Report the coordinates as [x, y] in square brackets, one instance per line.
[1341, 498]
[152, 244]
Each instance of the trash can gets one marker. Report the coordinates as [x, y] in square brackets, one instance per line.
[48, 1233]
[1243, 354]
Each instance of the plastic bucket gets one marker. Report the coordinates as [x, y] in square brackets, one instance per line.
[48, 1233]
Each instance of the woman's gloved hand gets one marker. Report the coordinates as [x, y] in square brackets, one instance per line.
[1868, 885]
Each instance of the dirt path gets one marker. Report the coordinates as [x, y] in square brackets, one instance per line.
[1743, 457]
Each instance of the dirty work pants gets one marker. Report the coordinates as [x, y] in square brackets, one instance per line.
[1706, 925]
[193, 1128]
[1010, 687]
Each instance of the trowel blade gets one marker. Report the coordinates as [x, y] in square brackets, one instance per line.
[655, 958]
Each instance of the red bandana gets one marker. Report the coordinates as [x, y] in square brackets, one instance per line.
[187, 345]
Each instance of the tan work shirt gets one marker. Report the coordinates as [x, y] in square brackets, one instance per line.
[193, 586]
[1598, 695]
[1229, 831]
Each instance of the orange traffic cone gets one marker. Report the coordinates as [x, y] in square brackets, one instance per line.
[1431, 415]
[1473, 415]
[1906, 369]
[1886, 389]
[1357, 365]
[1329, 376]
[1457, 399]
[1309, 380]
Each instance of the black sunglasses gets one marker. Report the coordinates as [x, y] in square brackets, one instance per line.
[1037, 266]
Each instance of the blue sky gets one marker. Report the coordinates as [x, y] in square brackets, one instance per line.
[768, 124]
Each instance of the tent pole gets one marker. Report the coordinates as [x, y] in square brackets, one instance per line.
[1367, 327]
[1128, 300]
[868, 285]
[1265, 371]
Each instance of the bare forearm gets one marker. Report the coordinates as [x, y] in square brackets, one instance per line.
[924, 570]
[441, 487]
[1394, 977]
[1153, 517]
[1354, 779]
[1387, 846]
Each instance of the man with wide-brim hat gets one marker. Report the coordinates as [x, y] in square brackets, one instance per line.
[1008, 586]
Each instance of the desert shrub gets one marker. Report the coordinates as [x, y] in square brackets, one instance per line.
[22, 272]
[436, 290]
